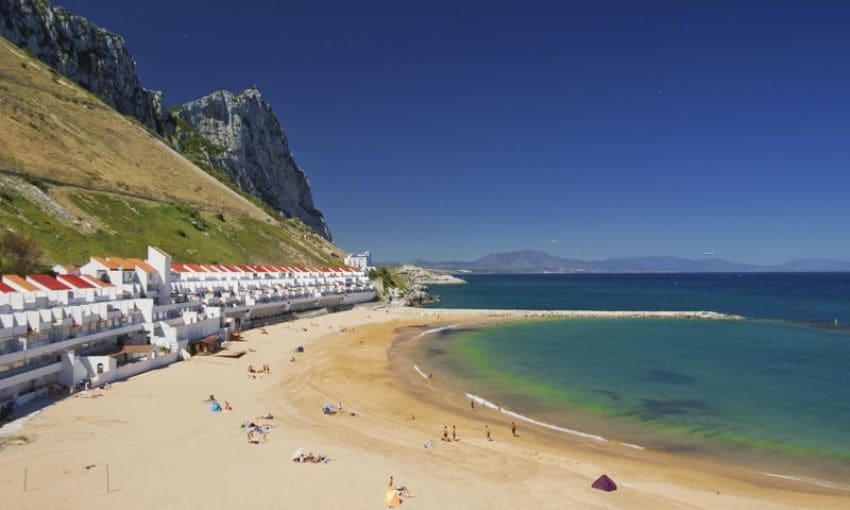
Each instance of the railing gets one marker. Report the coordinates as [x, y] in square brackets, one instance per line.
[15, 347]
[42, 338]
[26, 368]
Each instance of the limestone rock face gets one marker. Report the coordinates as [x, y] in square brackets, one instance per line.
[94, 58]
[252, 148]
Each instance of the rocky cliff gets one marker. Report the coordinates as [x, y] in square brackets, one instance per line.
[239, 134]
[96, 59]
[248, 143]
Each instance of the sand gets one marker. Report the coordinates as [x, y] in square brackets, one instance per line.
[151, 441]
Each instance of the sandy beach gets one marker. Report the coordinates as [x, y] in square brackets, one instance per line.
[152, 441]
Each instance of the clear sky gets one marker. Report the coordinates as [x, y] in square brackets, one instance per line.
[449, 129]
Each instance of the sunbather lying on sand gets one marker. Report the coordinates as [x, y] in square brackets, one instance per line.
[313, 459]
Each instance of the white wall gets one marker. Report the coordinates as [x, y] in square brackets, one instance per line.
[136, 368]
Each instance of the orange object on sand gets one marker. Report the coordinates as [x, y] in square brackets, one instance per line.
[391, 497]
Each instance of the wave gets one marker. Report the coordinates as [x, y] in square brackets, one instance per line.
[420, 372]
[437, 330]
[633, 446]
[810, 480]
[486, 403]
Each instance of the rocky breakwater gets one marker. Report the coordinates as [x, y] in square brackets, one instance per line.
[250, 145]
[422, 276]
[94, 58]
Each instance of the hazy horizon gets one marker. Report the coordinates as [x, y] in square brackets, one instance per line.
[380, 260]
[442, 131]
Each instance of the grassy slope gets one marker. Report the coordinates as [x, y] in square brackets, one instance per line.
[111, 172]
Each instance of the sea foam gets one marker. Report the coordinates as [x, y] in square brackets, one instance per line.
[810, 480]
[437, 330]
[486, 403]
[419, 371]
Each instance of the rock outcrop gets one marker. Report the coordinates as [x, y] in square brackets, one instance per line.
[94, 58]
[251, 146]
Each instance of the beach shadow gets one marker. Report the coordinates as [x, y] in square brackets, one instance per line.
[667, 376]
[653, 409]
[610, 394]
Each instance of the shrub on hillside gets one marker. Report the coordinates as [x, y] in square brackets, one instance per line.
[19, 254]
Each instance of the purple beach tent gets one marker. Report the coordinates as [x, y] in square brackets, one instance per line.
[604, 483]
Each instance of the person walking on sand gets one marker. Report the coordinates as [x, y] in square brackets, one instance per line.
[487, 429]
[513, 428]
[454, 433]
[446, 434]
[472, 404]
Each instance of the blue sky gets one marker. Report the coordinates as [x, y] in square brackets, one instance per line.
[449, 130]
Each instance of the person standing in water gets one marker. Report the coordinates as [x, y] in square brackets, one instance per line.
[472, 404]
[513, 428]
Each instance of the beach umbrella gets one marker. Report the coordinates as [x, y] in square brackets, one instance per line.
[604, 483]
[297, 454]
[300, 348]
[328, 408]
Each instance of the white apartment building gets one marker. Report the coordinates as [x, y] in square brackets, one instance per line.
[360, 261]
[114, 317]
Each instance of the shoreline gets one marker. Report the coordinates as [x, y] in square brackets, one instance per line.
[720, 462]
[154, 431]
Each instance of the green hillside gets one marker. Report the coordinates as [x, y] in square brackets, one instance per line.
[79, 178]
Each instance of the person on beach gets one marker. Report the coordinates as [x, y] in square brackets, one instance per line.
[454, 433]
[472, 404]
[487, 429]
[227, 406]
[446, 434]
[513, 428]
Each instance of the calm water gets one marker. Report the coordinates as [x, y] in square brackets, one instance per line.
[772, 392]
[807, 297]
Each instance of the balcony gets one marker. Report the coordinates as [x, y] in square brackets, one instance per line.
[26, 373]
[49, 344]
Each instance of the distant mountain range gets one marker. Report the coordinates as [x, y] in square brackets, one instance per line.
[531, 261]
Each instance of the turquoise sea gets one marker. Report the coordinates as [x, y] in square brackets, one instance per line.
[771, 392]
